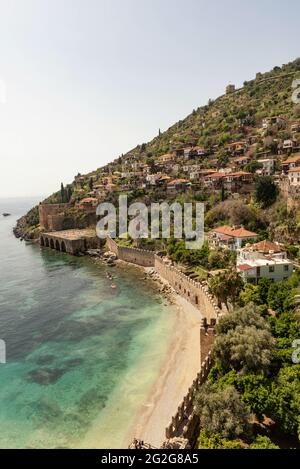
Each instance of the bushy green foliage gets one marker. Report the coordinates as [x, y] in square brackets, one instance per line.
[265, 191]
[222, 412]
[226, 286]
[216, 441]
[263, 442]
[244, 342]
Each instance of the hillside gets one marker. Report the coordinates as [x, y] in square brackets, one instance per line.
[232, 133]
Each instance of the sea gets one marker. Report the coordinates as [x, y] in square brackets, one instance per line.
[81, 356]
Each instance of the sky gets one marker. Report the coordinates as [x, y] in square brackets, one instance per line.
[82, 81]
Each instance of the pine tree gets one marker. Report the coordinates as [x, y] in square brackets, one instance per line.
[62, 193]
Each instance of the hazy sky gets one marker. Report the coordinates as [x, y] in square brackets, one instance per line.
[82, 81]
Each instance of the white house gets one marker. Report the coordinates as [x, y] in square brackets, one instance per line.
[263, 260]
[231, 238]
[294, 176]
[268, 166]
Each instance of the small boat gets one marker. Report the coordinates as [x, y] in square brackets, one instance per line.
[113, 285]
[5, 214]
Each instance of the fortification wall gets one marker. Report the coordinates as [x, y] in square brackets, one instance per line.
[135, 256]
[195, 292]
[51, 215]
[185, 423]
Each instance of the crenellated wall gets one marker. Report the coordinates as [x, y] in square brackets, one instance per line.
[195, 292]
[185, 423]
[133, 255]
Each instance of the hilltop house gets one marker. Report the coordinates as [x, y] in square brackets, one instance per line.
[295, 127]
[289, 145]
[294, 176]
[88, 204]
[263, 260]
[268, 166]
[230, 237]
[241, 160]
[235, 181]
[268, 121]
[178, 185]
[157, 179]
[237, 148]
[291, 162]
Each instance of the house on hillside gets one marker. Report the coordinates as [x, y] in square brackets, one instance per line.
[235, 181]
[294, 176]
[269, 121]
[291, 162]
[178, 185]
[289, 145]
[237, 148]
[88, 204]
[241, 160]
[214, 180]
[231, 237]
[263, 260]
[295, 127]
[268, 166]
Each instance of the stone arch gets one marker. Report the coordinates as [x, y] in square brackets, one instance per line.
[42, 241]
[63, 247]
[51, 243]
[46, 242]
[57, 245]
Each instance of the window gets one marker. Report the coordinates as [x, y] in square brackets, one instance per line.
[286, 267]
[271, 268]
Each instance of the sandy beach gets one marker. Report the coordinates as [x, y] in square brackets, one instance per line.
[177, 374]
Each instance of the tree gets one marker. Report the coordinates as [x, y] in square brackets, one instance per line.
[244, 341]
[226, 286]
[221, 411]
[62, 193]
[285, 400]
[215, 441]
[263, 442]
[265, 191]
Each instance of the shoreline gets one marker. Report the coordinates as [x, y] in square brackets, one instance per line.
[179, 368]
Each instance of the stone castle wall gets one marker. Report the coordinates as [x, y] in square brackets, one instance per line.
[51, 216]
[135, 256]
[195, 292]
[185, 423]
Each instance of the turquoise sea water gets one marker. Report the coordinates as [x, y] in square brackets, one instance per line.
[81, 356]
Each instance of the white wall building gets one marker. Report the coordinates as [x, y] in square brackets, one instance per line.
[263, 260]
[294, 176]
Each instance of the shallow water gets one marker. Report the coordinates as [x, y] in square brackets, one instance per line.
[81, 356]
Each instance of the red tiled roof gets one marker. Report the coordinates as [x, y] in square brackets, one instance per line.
[292, 159]
[88, 200]
[236, 233]
[244, 267]
[295, 169]
[265, 246]
[215, 175]
[178, 181]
